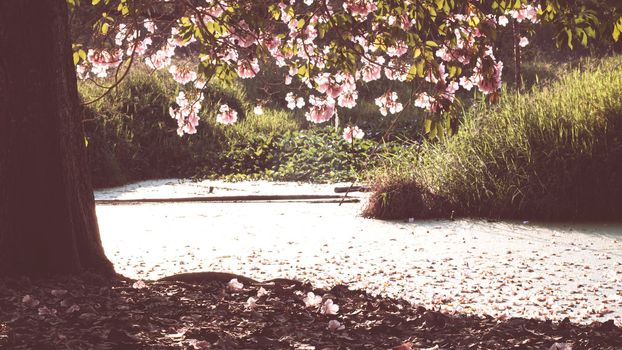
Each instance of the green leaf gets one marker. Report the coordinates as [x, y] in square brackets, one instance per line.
[95, 2]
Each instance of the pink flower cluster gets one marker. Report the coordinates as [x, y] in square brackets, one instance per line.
[526, 12]
[388, 103]
[321, 110]
[294, 101]
[371, 70]
[487, 75]
[290, 34]
[248, 68]
[352, 132]
[102, 60]
[182, 75]
[186, 113]
[360, 8]
[226, 115]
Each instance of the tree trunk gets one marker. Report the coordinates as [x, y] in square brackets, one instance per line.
[47, 212]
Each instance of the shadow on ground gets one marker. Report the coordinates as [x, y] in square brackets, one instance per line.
[88, 312]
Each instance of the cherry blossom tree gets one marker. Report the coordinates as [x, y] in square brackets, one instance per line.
[327, 49]
[324, 49]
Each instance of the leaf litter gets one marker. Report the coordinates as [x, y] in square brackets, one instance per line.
[94, 313]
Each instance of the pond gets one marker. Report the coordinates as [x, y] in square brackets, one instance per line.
[552, 270]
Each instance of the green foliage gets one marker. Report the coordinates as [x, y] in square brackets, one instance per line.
[553, 153]
[132, 137]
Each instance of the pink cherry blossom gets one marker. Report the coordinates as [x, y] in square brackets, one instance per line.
[158, 60]
[321, 110]
[334, 325]
[177, 39]
[312, 300]
[82, 70]
[150, 26]
[186, 114]
[182, 75]
[348, 99]
[444, 54]
[329, 308]
[140, 284]
[399, 49]
[388, 103]
[251, 303]
[396, 71]
[200, 83]
[261, 292]
[371, 71]
[466, 83]
[139, 48]
[487, 76]
[424, 101]
[360, 8]
[294, 101]
[503, 21]
[228, 116]
[351, 133]
[248, 68]
[523, 42]
[102, 60]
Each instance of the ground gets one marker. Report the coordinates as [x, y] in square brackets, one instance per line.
[88, 313]
[402, 285]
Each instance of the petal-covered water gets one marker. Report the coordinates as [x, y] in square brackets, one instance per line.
[504, 269]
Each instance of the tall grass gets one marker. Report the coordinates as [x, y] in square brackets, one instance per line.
[553, 153]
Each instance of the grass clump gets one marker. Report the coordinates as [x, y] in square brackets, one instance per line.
[553, 153]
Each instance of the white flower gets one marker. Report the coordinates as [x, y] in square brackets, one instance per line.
[503, 21]
[329, 308]
[312, 300]
[334, 325]
[234, 285]
[523, 42]
[258, 110]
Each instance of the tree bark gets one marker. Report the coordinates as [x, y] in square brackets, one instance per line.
[47, 211]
